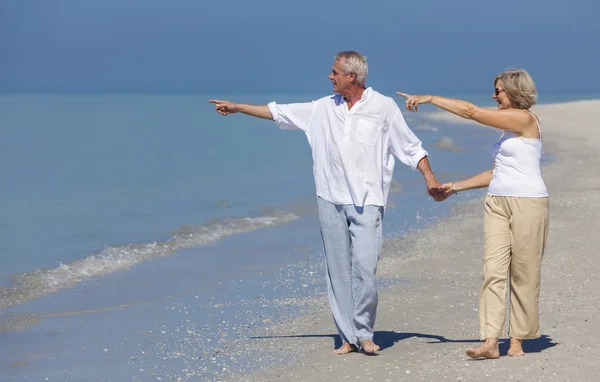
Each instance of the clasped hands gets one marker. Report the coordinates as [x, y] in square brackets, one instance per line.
[440, 192]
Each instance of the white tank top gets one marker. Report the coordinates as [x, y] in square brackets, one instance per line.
[518, 170]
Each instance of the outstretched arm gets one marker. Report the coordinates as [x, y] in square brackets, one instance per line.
[477, 181]
[508, 119]
[226, 108]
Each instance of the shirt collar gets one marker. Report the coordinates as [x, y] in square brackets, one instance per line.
[366, 94]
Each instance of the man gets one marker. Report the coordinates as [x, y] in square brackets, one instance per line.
[354, 136]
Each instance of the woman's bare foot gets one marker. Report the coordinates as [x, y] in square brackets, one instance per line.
[516, 348]
[368, 346]
[346, 348]
[489, 350]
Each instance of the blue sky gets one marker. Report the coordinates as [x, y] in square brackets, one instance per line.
[432, 46]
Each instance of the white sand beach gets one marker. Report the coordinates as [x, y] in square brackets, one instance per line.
[424, 326]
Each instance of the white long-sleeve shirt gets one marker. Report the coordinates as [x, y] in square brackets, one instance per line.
[353, 150]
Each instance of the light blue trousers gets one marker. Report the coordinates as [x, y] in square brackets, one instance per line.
[352, 239]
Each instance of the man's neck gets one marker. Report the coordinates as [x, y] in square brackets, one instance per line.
[353, 95]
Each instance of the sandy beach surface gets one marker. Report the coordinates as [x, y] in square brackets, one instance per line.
[425, 325]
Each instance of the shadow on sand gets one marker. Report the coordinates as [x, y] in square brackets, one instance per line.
[387, 339]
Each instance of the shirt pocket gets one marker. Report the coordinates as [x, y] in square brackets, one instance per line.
[367, 132]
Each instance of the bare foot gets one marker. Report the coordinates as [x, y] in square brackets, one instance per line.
[516, 348]
[368, 346]
[346, 348]
[489, 350]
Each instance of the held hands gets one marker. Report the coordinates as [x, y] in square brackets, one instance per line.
[435, 190]
[225, 107]
[412, 102]
[440, 192]
[449, 189]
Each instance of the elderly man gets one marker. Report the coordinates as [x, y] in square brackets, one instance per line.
[354, 136]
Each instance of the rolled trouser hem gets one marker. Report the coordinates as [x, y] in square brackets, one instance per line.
[483, 337]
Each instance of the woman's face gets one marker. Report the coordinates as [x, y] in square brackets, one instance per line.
[501, 97]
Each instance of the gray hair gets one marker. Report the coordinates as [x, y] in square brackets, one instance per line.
[519, 87]
[356, 63]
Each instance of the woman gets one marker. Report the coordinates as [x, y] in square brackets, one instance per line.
[516, 210]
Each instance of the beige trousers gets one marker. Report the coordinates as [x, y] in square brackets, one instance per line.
[515, 232]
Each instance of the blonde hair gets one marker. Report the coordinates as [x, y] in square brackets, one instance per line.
[519, 87]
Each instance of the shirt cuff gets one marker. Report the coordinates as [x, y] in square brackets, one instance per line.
[416, 158]
[275, 112]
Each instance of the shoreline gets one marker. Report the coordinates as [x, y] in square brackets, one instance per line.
[428, 272]
[24, 285]
[423, 327]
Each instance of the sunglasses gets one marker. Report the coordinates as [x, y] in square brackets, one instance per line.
[498, 91]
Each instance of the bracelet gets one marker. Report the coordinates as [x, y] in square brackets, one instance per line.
[454, 189]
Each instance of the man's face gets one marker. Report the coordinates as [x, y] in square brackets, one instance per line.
[341, 81]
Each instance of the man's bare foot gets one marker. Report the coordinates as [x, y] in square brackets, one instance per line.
[489, 349]
[368, 346]
[516, 348]
[346, 348]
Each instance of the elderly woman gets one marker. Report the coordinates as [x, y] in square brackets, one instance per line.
[516, 210]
